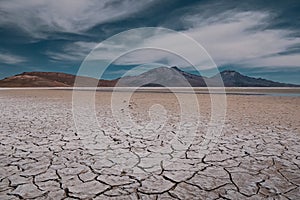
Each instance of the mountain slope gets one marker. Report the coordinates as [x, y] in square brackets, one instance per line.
[194, 80]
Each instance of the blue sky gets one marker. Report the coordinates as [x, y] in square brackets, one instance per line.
[257, 38]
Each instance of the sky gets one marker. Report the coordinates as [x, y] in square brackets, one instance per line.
[254, 37]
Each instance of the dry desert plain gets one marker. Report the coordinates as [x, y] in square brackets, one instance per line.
[44, 154]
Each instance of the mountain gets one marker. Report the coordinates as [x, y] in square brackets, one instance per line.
[235, 79]
[52, 79]
[161, 76]
[175, 77]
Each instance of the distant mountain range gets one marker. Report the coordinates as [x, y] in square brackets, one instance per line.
[161, 76]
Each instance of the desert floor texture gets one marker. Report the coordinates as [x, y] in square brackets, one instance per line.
[44, 154]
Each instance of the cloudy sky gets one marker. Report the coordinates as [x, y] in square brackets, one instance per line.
[257, 38]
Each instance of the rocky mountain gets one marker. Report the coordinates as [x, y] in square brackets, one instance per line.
[161, 76]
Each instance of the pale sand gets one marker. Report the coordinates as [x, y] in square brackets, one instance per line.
[44, 156]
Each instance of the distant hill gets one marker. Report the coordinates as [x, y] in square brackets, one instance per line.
[51, 79]
[235, 79]
[161, 76]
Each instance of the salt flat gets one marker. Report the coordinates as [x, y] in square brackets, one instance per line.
[45, 155]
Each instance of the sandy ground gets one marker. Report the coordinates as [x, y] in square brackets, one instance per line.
[130, 152]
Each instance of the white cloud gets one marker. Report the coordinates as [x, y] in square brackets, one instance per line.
[76, 51]
[238, 41]
[143, 40]
[230, 38]
[8, 58]
[42, 17]
[278, 61]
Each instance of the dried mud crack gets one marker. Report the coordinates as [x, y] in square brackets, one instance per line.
[43, 156]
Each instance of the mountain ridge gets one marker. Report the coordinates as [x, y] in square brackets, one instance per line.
[161, 76]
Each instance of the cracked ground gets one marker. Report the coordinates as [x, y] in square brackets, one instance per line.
[44, 156]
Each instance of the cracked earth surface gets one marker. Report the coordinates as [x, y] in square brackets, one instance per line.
[42, 155]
